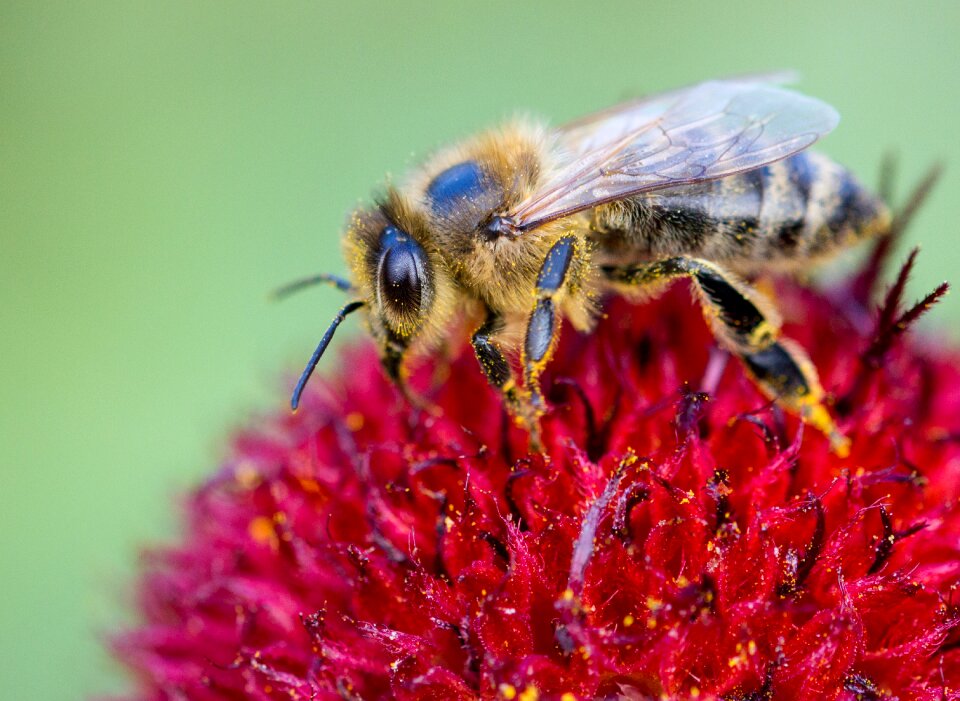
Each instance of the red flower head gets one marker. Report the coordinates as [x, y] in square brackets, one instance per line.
[668, 544]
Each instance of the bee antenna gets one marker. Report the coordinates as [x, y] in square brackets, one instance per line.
[321, 347]
[323, 278]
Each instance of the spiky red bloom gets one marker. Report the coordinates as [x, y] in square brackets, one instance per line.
[667, 545]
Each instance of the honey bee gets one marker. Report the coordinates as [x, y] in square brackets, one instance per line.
[522, 227]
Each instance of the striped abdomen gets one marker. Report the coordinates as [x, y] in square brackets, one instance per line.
[785, 213]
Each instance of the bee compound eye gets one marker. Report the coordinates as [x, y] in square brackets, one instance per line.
[401, 272]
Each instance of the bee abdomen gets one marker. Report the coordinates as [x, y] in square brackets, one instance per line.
[839, 210]
[784, 213]
[809, 207]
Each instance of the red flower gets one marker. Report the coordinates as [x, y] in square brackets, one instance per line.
[669, 544]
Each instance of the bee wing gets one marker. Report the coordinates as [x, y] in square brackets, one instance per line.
[699, 133]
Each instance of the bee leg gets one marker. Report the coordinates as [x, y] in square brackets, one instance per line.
[543, 325]
[495, 366]
[746, 328]
[391, 359]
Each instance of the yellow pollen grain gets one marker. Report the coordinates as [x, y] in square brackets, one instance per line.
[567, 595]
[261, 530]
[309, 485]
[752, 647]
[628, 620]
[508, 691]
[530, 693]
[354, 420]
[568, 697]
[736, 661]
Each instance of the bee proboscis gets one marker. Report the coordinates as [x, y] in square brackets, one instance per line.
[522, 227]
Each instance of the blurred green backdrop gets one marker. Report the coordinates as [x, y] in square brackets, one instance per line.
[164, 165]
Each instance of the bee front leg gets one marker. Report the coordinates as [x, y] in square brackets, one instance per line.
[392, 359]
[493, 363]
[742, 324]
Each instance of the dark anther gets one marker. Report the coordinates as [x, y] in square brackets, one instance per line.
[862, 687]
[770, 440]
[358, 559]
[508, 488]
[632, 495]
[433, 462]
[313, 623]
[764, 693]
[690, 414]
[389, 549]
[889, 537]
[885, 545]
[698, 598]
[498, 546]
[719, 488]
[463, 638]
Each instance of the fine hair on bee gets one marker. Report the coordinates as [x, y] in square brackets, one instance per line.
[523, 227]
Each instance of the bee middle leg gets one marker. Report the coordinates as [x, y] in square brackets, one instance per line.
[743, 326]
[543, 324]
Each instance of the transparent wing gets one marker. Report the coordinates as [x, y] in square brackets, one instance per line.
[699, 133]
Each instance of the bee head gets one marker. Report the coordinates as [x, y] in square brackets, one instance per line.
[399, 273]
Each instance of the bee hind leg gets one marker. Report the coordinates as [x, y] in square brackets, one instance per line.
[744, 325]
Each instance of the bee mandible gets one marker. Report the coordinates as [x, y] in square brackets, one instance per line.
[522, 227]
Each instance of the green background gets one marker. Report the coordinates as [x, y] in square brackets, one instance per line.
[163, 165]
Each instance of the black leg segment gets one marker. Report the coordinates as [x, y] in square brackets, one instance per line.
[543, 324]
[751, 330]
[496, 368]
[553, 273]
[494, 365]
[775, 367]
[742, 324]
[540, 330]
